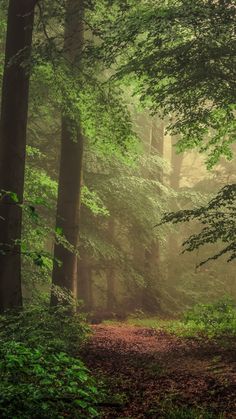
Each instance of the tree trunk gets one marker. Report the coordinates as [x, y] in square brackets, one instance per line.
[85, 292]
[152, 255]
[111, 300]
[68, 203]
[175, 177]
[110, 273]
[176, 162]
[13, 126]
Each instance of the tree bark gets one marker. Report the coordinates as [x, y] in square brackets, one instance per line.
[176, 162]
[152, 255]
[175, 178]
[110, 274]
[13, 126]
[85, 289]
[70, 177]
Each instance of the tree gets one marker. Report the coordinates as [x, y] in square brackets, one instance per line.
[150, 300]
[110, 273]
[182, 55]
[116, 256]
[175, 177]
[70, 176]
[218, 219]
[13, 125]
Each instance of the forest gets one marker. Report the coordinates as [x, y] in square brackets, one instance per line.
[117, 209]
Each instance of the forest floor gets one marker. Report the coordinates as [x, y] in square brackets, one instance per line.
[153, 374]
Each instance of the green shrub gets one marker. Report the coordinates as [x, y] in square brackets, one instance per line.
[40, 375]
[214, 319]
[36, 326]
[35, 383]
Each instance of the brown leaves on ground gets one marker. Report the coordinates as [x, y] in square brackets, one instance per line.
[149, 371]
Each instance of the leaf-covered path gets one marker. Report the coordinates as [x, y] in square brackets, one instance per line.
[154, 373]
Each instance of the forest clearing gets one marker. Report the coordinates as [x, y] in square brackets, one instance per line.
[117, 209]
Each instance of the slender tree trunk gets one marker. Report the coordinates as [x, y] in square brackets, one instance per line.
[157, 132]
[111, 300]
[85, 291]
[110, 274]
[68, 203]
[175, 177]
[176, 162]
[152, 255]
[13, 126]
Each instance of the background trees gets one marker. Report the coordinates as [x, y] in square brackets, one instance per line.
[105, 93]
[126, 181]
[183, 57]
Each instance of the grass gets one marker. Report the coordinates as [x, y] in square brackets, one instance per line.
[212, 320]
[168, 409]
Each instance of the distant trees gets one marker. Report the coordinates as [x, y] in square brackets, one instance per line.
[120, 249]
[182, 56]
[179, 65]
[218, 222]
[13, 126]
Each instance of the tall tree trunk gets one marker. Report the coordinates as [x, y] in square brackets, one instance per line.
[68, 203]
[176, 163]
[175, 177]
[110, 274]
[13, 126]
[85, 291]
[152, 255]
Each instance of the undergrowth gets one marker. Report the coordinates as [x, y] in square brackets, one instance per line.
[212, 320]
[40, 374]
[53, 329]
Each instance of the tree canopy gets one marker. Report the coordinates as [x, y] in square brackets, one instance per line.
[182, 54]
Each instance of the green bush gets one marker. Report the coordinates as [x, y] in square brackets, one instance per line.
[214, 319]
[55, 330]
[40, 374]
[38, 384]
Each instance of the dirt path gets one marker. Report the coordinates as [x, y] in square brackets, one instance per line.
[154, 372]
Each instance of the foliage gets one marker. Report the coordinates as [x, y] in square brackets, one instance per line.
[38, 223]
[182, 55]
[214, 319]
[41, 375]
[129, 192]
[93, 202]
[35, 383]
[54, 330]
[218, 221]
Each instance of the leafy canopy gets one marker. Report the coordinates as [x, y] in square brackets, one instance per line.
[182, 55]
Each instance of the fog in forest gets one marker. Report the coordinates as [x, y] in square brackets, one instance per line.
[127, 262]
[117, 209]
